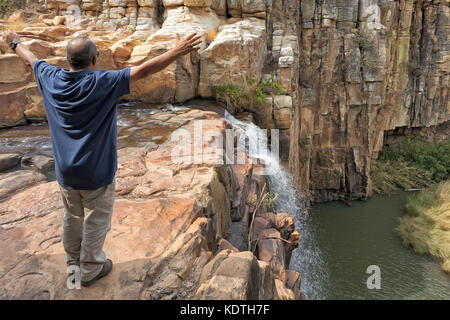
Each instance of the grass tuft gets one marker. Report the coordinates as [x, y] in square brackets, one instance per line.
[410, 164]
[426, 227]
[248, 96]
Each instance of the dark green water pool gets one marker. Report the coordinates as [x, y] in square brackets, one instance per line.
[339, 242]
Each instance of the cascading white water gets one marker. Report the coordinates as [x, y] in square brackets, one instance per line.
[307, 258]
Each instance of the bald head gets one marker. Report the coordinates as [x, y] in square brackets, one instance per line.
[81, 52]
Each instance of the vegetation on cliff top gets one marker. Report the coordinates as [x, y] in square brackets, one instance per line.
[426, 227]
[412, 163]
[8, 6]
[248, 96]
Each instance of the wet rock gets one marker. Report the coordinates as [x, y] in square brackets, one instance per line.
[40, 162]
[9, 160]
[238, 235]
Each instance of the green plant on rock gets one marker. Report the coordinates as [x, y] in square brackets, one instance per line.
[231, 95]
[248, 96]
[304, 140]
[366, 45]
[269, 199]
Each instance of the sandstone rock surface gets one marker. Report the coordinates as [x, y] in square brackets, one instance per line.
[170, 218]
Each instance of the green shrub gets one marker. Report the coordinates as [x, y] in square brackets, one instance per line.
[411, 163]
[8, 6]
[269, 199]
[248, 96]
[230, 94]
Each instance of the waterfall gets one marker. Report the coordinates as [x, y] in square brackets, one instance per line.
[307, 258]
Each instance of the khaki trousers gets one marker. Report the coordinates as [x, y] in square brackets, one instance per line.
[87, 219]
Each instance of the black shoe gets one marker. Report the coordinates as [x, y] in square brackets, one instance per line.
[107, 267]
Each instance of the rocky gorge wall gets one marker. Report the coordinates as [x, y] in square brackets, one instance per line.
[349, 69]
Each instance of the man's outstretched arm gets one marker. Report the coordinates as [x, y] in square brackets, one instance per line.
[21, 50]
[160, 62]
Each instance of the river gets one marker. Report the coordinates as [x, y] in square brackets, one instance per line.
[339, 242]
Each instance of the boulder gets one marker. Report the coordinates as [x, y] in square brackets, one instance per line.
[19, 105]
[271, 250]
[40, 48]
[58, 20]
[121, 51]
[234, 276]
[237, 51]
[13, 69]
[40, 162]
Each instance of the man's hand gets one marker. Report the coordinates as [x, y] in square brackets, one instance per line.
[187, 45]
[21, 50]
[9, 36]
[160, 62]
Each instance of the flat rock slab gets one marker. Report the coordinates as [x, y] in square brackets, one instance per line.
[32, 260]
[17, 180]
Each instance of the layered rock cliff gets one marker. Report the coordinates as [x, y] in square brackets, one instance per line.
[349, 69]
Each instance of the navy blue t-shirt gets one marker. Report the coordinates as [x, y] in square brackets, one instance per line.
[81, 114]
